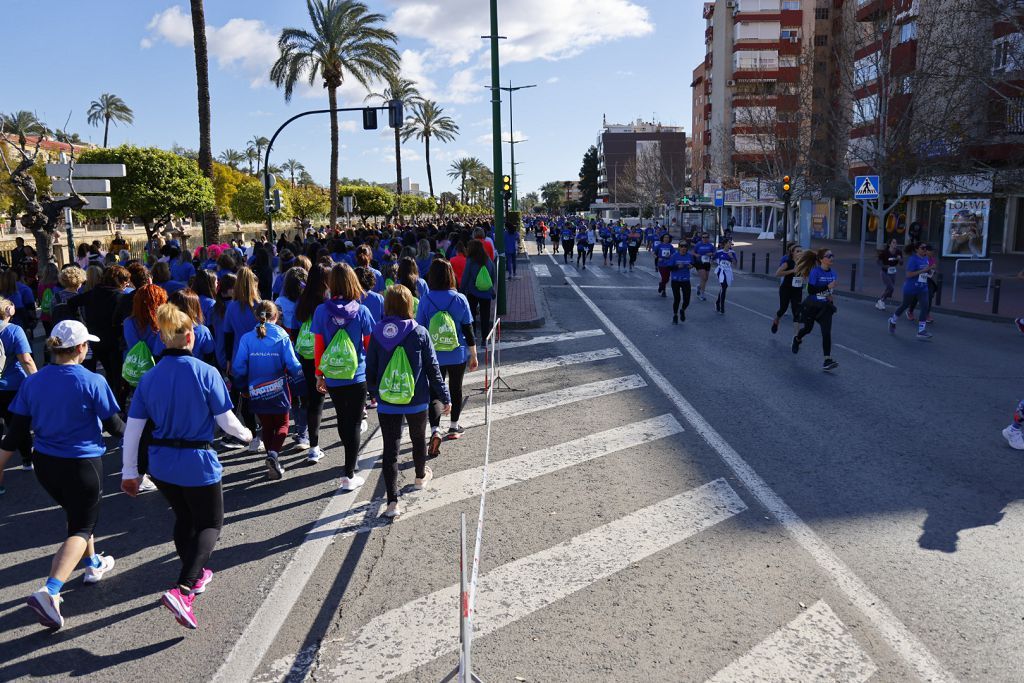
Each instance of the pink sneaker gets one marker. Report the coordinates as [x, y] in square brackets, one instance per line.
[180, 605]
[910, 316]
[203, 581]
[1020, 324]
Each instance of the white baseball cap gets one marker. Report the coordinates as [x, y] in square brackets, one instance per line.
[71, 333]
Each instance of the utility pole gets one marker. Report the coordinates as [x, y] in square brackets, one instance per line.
[512, 139]
[499, 207]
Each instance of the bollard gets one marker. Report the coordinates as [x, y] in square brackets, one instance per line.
[767, 262]
[853, 278]
[938, 290]
[996, 287]
[753, 262]
[742, 254]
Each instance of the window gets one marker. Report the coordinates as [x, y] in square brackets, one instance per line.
[757, 30]
[758, 5]
[754, 116]
[865, 110]
[865, 70]
[908, 31]
[1015, 115]
[820, 41]
[1006, 53]
[788, 61]
[754, 144]
[791, 4]
[763, 60]
[821, 13]
[790, 34]
[904, 85]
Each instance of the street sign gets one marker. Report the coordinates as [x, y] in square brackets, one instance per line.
[96, 202]
[269, 180]
[87, 170]
[867, 187]
[81, 186]
[719, 197]
[346, 203]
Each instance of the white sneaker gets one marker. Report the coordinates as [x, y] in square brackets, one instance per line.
[47, 608]
[314, 454]
[351, 483]
[363, 426]
[94, 574]
[1014, 437]
[393, 511]
[146, 484]
[880, 305]
[302, 442]
[256, 445]
[422, 483]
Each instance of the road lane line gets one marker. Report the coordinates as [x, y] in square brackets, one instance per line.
[568, 270]
[464, 485]
[597, 272]
[898, 636]
[615, 287]
[838, 346]
[548, 363]
[816, 646]
[540, 270]
[424, 629]
[551, 339]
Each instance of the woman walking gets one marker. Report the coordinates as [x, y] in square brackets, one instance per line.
[403, 375]
[182, 398]
[819, 306]
[19, 365]
[724, 258]
[478, 284]
[791, 288]
[239, 320]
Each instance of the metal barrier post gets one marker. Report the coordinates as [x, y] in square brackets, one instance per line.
[465, 664]
[996, 289]
[938, 290]
[742, 254]
[767, 262]
[853, 278]
[753, 262]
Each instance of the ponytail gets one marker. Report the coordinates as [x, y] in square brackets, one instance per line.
[266, 312]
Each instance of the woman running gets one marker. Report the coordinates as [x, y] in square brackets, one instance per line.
[314, 294]
[19, 365]
[703, 254]
[622, 249]
[60, 411]
[265, 366]
[182, 398]
[568, 238]
[403, 375]
[889, 261]
[582, 246]
[791, 288]
[724, 259]
[479, 285]
[662, 253]
[679, 265]
[339, 325]
[633, 241]
[446, 316]
[607, 245]
[540, 233]
[915, 291]
[819, 306]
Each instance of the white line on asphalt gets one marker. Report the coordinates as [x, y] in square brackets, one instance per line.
[899, 637]
[597, 272]
[551, 339]
[549, 363]
[425, 629]
[259, 635]
[540, 270]
[816, 646]
[463, 485]
[569, 271]
[838, 346]
[648, 288]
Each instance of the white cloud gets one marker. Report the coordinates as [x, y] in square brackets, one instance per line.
[505, 137]
[465, 86]
[552, 80]
[348, 126]
[172, 25]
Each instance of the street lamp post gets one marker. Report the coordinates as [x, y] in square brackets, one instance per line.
[512, 139]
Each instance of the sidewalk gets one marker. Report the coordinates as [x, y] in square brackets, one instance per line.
[523, 298]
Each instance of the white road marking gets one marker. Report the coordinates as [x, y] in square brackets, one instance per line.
[597, 272]
[551, 339]
[540, 270]
[569, 271]
[464, 485]
[648, 288]
[838, 346]
[549, 363]
[815, 646]
[420, 631]
[898, 636]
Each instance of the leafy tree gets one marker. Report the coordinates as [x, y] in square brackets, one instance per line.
[225, 184]
[293, 166]
[106, 109]
[461, 170]
[370, 200]
[426, 206]
[247, 203]
[553, 195]
[309, 202]
[23, 123]
[402, 89]
[305, 178]
[529, 203]
[158, 186]
[588, 179]
[429, 121]
[232, 158]
[346, 40]
[185, 152]
[408, 205]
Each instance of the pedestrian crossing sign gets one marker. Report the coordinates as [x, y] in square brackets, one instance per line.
[867, 187]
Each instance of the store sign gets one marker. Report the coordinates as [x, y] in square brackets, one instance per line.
[966, 228]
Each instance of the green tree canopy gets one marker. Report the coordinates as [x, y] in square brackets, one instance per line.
[309, 202]
[370, 200]
[588, 179]
[247, 203]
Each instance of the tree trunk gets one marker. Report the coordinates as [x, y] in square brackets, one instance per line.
[398, 174]
[430, 178]
[44, 247]
[106, 130]
[211, 221]
[332, 98]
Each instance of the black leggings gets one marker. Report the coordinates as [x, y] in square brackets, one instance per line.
[632, 255]
[481, 310]
[391, 431]
[453, 374]
[76, 484]
[789, 298]
[720, 302]
[582, 253]
[680, 287]
[622, 259]
[246, 415]
[349, 404]
[198, 519]
[566, 250]
[5, 404]
[821, 313]
[313, 401]
[606, 251]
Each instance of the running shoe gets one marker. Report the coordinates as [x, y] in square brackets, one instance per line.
[829, 365]
[796, 344]
[924, 335]
[363, 426]
[775, 326]
[314, 455]
[675, 320]
[47, 608]
[455, 432]
[351, 483]
[930, 320]
[1020, 325]
[203, 582]
[302, 441]
[256, 445]
[26, 466]
[880, 305]
[910, 316]
[146, 484]
[94, 574]
[393, 511]
[180, 605]
[274, 469]
[421, 484]
[1014, 437]
[371, 404]
[434, 449]
[892, 326]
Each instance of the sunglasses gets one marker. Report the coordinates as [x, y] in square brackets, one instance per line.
[829, 256]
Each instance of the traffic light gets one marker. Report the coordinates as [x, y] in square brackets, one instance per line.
[277, 200]
[369, 119]
[506, 187]
[786, 188]
[396, 116]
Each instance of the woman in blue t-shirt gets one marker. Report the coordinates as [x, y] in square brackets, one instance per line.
[915, 291]
[679, 265]
[187, 302]
[182, 398]
[313, 294]
[479, 300]
[19, 365]
[68, 454]
[819, 306]
[239, 320]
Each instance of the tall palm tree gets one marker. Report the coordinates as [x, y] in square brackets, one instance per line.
[232, 157]
[260, 143]
[23, 123]
[294, 166]
[106, 109]
[346, 40]
[398, 88]
[460, 170]
[211, 221]
[429, 121]
[253, 157]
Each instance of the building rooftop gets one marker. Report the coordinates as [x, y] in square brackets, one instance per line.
[641, 126]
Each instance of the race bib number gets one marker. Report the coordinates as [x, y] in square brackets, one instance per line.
[705, 259]
[798, 281]
[821, 297]
[892, 270]
[923, 278]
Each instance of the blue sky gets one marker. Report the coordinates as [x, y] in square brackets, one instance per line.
[622, 58]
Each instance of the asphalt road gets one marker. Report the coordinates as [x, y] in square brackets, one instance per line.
[685, 502]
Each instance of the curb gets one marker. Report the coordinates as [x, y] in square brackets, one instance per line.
[533, 322]
[988, 317]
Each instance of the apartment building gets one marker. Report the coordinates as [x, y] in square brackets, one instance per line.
[620, 148]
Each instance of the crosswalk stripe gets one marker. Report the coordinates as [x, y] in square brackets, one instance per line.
[815, 646]
[551, 339]
[540, 270]
[569, 271]
[399, 641]
[548, 363]
[463, 485]
[597, 272]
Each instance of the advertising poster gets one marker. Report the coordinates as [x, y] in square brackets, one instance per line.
[965, 234]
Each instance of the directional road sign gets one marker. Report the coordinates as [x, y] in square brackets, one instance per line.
[81, 186]
[719, 197]
[867, 187]
[87, 170]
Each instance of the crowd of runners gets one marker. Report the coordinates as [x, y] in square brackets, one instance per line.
[191, 352]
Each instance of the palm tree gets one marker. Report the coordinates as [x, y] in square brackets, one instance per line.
[346, 40]
[398, 88]
[259, 143]
[231, 157]
[211, 221]
[294, 166]
[106, 109]
[274, 170]
[252, 156]
[23, 123]
[462, 169]
[429, 121]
